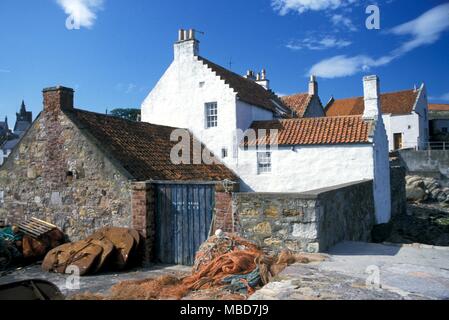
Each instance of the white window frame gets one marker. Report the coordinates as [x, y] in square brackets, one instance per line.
[211, 114]
[264, 162]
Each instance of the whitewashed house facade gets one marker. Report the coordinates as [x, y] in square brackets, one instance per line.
[405, 114]
[312, 153]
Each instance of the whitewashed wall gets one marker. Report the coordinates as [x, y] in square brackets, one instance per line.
[408, 125]
[422, 110]
[306, 168]
[414, 126]
[179, 98]
[382, 189]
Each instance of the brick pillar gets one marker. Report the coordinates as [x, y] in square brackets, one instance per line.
[225, 215]
[142, 206]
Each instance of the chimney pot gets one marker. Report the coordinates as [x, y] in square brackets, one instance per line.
[313, 86]
[192, 34]
[181, 35]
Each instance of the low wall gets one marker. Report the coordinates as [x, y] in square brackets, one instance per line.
[311, 221]
[425, 162]
[398, 192]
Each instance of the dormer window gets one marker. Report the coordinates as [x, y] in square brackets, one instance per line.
[211, 115]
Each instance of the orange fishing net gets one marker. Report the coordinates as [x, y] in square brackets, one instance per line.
[217, 259]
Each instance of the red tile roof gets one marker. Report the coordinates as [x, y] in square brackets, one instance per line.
[246, 89]
[298, 103]
[438, 107]
[401, 102]
[315, 131]
[143, 149]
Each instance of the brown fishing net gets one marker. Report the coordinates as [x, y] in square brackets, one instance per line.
[227, 267]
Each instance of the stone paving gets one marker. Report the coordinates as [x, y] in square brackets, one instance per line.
[404, 272]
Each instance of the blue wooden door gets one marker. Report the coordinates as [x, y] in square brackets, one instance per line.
[183, 219]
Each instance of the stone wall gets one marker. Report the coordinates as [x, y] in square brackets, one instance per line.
[143, 216]
[398, 192]
[428, 162]
[58, 175]
[311, 221]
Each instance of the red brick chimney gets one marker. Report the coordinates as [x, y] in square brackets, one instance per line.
[57, 98]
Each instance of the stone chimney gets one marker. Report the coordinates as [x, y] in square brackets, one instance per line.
[313, 86]
[57, 98]
[371, 91]
[262, 79]
[187, 45]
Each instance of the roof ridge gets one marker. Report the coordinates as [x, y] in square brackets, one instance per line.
[384, 93]
[122, 119]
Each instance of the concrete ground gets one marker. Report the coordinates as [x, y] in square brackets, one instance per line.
[100, 283]
[392, 271]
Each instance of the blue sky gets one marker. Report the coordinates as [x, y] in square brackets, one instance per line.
[122, 47]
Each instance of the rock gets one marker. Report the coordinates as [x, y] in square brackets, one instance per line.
[415, 193]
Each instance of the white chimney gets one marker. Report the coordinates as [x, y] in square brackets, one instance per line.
[371, 91]
[262, 79]
[250, 75]
[313, 86]
[187, 45]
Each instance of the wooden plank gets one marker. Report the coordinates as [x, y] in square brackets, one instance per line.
[158, 220]
[185, 226]
[168, 244]
[192, 224]
[194, 221]
[178, 225]
[203, 201]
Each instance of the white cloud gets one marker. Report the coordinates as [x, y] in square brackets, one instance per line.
[424, 30]
[301, 6]
[83, 12]
[339, 20]
[327, 42]
[341, 66]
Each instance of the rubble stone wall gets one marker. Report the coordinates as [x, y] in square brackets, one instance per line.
[398, 191]
[58, 175]
[311, 221]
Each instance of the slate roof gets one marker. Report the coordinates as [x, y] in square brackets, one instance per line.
[315, 131]
[3, 139]
[246, 89]
[21, 126]
[396, 103]
[298, 103]
[143, 149]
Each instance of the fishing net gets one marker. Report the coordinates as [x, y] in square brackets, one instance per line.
[227, 266]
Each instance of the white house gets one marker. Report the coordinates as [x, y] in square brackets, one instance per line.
[215, 103]
[405, 114]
